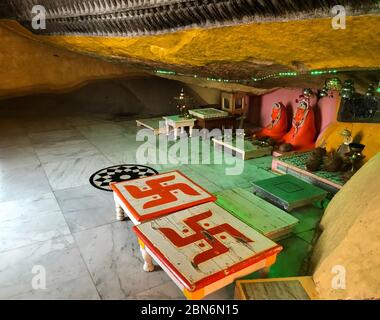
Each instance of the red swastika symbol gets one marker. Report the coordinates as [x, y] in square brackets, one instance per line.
[217, 248]
[163, 192]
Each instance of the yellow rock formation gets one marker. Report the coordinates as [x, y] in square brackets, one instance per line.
[346, 258]
[30, 66]
[312, 42]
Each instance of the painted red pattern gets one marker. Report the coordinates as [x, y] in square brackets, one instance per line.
[208, 280]
[161, 191]
[140, 217]
[206, 235]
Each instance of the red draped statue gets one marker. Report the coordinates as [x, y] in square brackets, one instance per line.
[279, 124]
[302, 134]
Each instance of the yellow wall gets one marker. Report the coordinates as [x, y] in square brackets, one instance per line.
[365, 133]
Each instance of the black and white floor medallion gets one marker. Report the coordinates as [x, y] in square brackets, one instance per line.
[102, 178]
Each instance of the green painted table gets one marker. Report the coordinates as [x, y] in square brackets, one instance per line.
[209, 113]
[259, 214]
[288, 191]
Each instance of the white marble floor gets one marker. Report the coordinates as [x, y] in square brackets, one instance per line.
[51, 216]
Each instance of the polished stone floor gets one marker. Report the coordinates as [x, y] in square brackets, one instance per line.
[51, 216]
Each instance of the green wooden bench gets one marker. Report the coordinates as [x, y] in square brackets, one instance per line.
[262, 216]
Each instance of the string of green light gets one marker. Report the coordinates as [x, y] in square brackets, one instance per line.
[254, 79]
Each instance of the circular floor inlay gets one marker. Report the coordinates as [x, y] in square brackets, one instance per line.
[102, 178]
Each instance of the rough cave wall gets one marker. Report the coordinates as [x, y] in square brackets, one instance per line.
[28, 66]
[207, 95]
[118, 97]
[89, 84]
[146, 97]
[351, 238]
[157, 95]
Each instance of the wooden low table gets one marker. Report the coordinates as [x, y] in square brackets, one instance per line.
[178, 122]
[288, 191]
[295, 288]
[204, 248]
[259, 214]
[247, 151]
[152, 197]
[157, 125]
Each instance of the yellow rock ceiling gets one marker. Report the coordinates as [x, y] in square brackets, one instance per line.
[313, 43]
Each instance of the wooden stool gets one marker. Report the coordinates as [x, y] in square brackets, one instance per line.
[177, 122]
[204, 248]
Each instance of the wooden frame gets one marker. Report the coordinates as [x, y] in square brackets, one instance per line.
[306, 283]
[235, 103]
[227, 101]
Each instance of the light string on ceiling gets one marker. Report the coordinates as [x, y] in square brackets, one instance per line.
[253, 79]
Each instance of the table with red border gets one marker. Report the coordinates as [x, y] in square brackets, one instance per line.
[204, 248]
[198, 244]
[152, 197]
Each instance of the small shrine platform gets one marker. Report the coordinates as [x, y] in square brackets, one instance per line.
[295, 164]
[247, 150]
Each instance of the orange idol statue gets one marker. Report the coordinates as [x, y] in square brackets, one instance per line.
[279, 124]
[302, 134]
